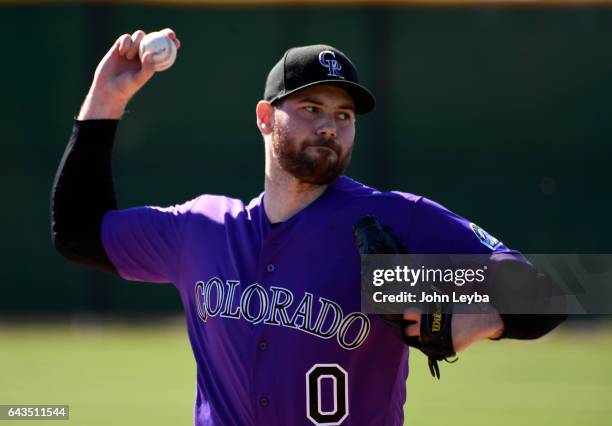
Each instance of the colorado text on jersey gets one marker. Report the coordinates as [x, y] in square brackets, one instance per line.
[270, 307]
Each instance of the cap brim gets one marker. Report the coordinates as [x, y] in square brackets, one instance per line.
[363, 98]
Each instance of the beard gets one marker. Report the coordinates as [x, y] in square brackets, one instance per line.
[318, 161]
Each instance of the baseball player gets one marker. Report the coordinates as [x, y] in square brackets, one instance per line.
[271, 287]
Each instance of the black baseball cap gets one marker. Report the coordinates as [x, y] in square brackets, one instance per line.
[305, 66]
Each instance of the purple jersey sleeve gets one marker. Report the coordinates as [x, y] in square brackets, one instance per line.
[435, 229]
[144, 243]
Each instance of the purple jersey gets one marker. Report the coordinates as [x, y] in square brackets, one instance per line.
[273, 313]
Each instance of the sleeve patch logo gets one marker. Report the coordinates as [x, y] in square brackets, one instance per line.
[485, 238]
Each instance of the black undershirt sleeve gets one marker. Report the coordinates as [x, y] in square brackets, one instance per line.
[529, 326]
[515, 282]
[83, 192]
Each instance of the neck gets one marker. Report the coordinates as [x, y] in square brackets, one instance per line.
[285, 195]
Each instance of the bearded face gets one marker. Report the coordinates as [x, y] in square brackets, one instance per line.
[317, 160]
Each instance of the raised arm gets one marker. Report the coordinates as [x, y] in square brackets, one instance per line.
[83, 189]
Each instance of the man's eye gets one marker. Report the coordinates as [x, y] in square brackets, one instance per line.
[311, 109]
[344, 116]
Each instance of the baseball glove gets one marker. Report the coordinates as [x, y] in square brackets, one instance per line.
[435, 340]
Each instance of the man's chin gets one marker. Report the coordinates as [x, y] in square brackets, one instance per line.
[324, 178]
[317, 165]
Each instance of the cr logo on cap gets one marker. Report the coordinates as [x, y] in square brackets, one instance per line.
[332, 65]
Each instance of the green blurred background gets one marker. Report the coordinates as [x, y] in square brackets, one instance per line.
[120, 375]
[501, 113]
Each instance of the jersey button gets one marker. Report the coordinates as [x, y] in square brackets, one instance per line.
[270, 268]
[263, 345]
[263, 401]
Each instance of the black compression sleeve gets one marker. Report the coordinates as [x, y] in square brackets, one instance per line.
[83, 192]
[516, 284]
[529, 326]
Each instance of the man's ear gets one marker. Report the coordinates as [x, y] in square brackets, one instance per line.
[265, 117]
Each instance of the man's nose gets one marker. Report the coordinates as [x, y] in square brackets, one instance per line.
[328, 128]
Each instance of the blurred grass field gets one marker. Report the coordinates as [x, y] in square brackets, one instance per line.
[120, 375]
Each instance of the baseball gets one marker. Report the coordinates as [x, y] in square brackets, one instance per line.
[162, 47]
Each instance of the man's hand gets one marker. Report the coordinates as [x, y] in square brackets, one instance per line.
[119, 75]
[466, 328]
